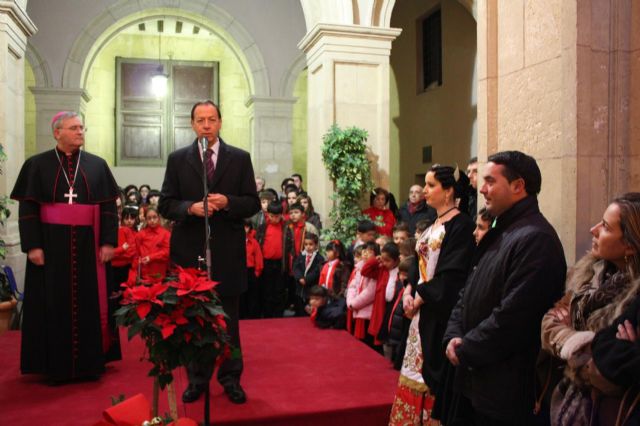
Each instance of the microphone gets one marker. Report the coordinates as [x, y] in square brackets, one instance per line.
[204, 144]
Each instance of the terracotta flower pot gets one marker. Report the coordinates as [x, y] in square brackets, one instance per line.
[6, 311]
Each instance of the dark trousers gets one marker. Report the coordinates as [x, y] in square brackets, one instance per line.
[290, 283]
[299, 303]
[231, 369]
[250, 306]
[272, 289]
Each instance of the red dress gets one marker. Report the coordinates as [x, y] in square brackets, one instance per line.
[383, 219]
[152, 242]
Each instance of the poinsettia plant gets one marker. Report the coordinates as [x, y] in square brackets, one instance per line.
[180, 319]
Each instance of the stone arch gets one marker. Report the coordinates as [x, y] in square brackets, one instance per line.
[382, 10]
[39, 66]
[291, 75]
[368, 13]
[210, 16]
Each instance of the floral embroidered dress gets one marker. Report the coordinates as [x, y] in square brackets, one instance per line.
[414, 401]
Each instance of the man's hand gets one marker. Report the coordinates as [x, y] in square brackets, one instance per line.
[125, 246]
[144, 260]
[451, 351]
[106, 253]
[36, 256]
[197, 209]
[219, 201]
[302, 281]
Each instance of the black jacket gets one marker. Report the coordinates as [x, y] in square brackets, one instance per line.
[311, 275]
[182, 186]
[333, 314]
[287, 242]
[440, 294]
[422, 212]
[619, 360]
[518, 274]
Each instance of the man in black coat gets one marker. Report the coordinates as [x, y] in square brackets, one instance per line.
[231, 198]
[518, 273]
[415, 209]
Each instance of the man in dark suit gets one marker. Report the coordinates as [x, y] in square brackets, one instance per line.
[231, 198]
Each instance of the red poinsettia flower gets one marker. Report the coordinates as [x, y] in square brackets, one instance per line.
[144, 296]
[192, 280]
[221, 321]
[168, 323]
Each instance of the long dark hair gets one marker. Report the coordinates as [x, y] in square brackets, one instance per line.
[310, 210]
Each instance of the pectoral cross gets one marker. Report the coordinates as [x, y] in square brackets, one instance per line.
[70, 195]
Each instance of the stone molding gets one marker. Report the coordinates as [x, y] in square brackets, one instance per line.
[62, 92]
[337, 32]
[263, 103]
[18, 16]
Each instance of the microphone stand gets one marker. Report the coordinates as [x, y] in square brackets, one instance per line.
[204, 144]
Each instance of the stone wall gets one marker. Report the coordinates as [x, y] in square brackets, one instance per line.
[556, 80]
[443, 117]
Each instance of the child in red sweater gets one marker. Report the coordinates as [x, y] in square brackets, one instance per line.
[250, 299]
[152, 247]
[272, 238]
[125, 252]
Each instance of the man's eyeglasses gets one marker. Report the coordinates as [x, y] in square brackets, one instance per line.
[76, 128]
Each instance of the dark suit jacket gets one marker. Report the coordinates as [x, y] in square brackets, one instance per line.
[182, 187]
[310, 275]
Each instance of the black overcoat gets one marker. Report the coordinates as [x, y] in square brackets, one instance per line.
[182, 186]
[518, 273]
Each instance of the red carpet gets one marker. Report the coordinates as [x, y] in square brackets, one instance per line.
[294, 374]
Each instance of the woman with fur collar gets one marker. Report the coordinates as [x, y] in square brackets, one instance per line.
[599, 288]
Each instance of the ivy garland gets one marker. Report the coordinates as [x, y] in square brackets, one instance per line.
[344, 154]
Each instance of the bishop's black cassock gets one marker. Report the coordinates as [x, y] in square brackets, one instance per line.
[65, 334]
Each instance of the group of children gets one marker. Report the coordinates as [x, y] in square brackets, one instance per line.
[143, 238]
[359, 288]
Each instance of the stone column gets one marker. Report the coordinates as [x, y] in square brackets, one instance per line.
[558, 80]
[51, 100]
[15, 28]
[348, 84]
[271, 124]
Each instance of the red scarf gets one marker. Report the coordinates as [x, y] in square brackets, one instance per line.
[372, 269]
[326, 280]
